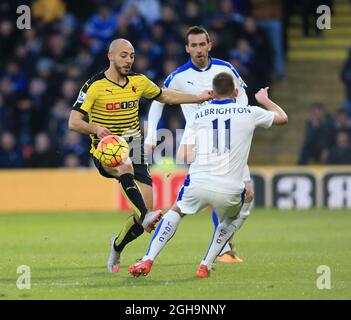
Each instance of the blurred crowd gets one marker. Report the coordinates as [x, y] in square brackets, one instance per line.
[43, 68]
[328, 136]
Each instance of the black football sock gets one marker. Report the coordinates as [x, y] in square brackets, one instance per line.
[130, 231]
[133, 194]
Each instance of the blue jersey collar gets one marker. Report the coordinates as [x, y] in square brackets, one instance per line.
[225, 101]
[196, 68]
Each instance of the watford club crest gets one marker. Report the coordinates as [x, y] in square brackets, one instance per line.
[134, 89]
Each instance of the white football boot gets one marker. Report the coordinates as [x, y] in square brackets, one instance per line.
[114, 259]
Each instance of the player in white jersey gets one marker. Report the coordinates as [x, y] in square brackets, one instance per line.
[217, 143]
[195, 76]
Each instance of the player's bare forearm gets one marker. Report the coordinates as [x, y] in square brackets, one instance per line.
[280, 116]
[175, 97]
[78, 124]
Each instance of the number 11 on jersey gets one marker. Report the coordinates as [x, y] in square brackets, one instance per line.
[216, 135]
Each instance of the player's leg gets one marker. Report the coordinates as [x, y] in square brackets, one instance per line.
[228, 209]
[132, 228]
[164, 232]
[224, 231]
[125, 174]
[188, 202]
[228, 254]
[245, 210]
[135, 225]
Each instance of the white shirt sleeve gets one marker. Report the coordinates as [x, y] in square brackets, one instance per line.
[154, 117]
[263, 118]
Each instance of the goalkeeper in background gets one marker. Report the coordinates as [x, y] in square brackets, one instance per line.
[110, 99]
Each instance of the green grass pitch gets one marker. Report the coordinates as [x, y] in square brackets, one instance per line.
[282, 250]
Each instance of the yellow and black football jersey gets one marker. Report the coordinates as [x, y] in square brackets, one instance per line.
[113, 106]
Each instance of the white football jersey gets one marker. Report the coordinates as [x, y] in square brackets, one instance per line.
[222, 132]
[190, 79]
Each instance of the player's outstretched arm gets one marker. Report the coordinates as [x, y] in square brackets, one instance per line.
[154, 117]
[280, 116]
[176, 97]
[78, 124]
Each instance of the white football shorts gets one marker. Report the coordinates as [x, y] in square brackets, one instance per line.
[193, 198]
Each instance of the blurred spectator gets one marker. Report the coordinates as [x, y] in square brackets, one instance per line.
[346, 79]
[342, 122]
[158, 33]
[219, 48]
[2, 114]
[69, 91]
[32, 42]
[262, 64]
[10, 154]
[142, 65]
[173, 48]
[168, 67]
[37, 89]
[7, 88]
[228, 11]
[192, 14]
[71, 160]
[136, 22]
[43, 155]
[169, 20]
[150, 50]
[7, 39]
[56, 48]
[341, 152]
[83, 60]
[100, 28]
[226, 18]
[58, 118]
[150, 10]
[242, 57]
[72, 144]
[269, 15]
[16, 76]
[48, 11]
[24, 126]
[319, 135]
[253, 65]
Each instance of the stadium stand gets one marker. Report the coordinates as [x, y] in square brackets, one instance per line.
[313, 71]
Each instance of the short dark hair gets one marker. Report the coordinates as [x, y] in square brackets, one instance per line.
[196, 30]
[223, 84]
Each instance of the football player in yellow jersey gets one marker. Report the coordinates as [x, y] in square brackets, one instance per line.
[110, 99]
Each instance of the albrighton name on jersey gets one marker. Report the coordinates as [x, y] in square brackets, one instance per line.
[113, 106]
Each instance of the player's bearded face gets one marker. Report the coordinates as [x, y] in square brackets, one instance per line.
[123, 63]
[123, 70]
